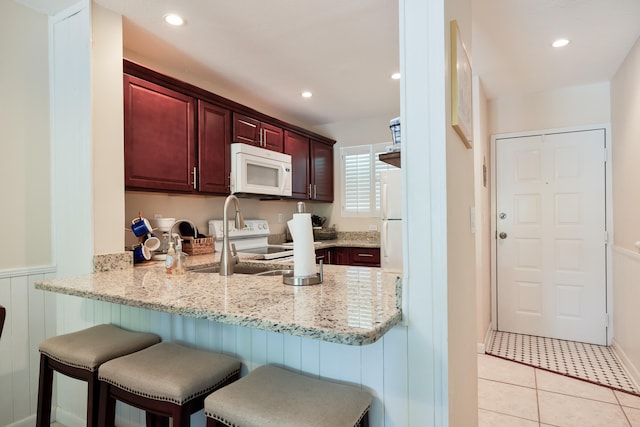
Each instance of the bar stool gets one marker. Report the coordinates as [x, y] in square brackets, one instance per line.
[166, 380]
[271, 396]
[78, 355]
[3, 314]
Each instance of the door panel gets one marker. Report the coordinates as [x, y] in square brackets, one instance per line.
[551, 276]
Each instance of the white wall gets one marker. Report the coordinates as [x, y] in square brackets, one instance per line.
[461, 249]
[565, 107]
[108, 128]
[24, 164]
[625, 132]
[482, 195]
[26, 208]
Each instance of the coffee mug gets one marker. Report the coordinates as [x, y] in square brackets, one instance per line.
[140, 226]
[151, 242]
[141, 253]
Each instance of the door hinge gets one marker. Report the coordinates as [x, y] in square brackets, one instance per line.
[606, 237]
[606, 320]
[606, 155]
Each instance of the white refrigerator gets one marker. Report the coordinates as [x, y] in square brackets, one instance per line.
[391, 217]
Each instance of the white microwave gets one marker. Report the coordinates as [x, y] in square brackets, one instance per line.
[258, 171]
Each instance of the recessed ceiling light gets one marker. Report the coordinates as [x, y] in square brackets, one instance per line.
[307, 94]
[173, 19]
[395, 76]
[560, 43]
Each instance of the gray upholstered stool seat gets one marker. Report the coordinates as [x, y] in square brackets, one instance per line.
[78, 355]
[271, 396]
[166, 380]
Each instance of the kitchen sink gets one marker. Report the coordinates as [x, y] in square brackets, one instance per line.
[241, 269]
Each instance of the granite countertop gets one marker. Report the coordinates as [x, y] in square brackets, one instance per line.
[353, 305]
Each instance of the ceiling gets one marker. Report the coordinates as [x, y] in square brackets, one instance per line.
[345, 51]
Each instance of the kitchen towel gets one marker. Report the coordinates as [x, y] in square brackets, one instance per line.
[304, 255]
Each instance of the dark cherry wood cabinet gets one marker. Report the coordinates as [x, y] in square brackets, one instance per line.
[297, 146]
[159, 137]
[369, 257]
[366, 257]
[178, 138]
[321, 161]
[312, 167]
[255, 132]
[341, 256]
[324, 255]
[214, 154]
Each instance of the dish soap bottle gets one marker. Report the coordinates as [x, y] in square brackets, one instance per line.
[170, 262]
[179, 267]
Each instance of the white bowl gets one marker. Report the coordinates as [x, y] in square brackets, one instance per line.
[162, 224]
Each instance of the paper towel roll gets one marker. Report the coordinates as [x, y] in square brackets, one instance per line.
[304, 254]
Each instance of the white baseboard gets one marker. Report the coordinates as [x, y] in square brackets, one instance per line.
[68, 419]
[482, 346]
[26, 422]
[627, 364]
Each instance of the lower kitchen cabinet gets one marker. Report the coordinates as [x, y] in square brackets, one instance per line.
[366, 257]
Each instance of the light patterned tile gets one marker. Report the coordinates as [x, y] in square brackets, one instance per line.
[568, 411]
[627, 399]
[494, 368]
[562, 384]
[494, 419]
[507, 399]
[633, 415]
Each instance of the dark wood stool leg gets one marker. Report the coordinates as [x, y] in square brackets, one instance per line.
[365, 420]
[45, 387]
[93, 398]
[107, 407]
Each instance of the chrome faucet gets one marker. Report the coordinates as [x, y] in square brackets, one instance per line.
[227, 260]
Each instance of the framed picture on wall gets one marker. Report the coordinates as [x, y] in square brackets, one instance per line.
[461, 81]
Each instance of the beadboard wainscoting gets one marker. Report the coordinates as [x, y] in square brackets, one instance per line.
[380, 368]
[626, 297]
[31, 317]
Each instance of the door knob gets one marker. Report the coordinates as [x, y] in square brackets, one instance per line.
[502, 235]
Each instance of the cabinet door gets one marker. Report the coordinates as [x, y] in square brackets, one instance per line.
[321, 161]
[365, 256]
[159, 140]
[214, 156]
[246, 129]
[297, 147]
[272, 137]
[342, 256]
[324, 255]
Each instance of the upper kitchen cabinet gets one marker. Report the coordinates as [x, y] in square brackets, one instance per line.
[214, 155]
[254, 132]
[159, 137]
[178, 139]
[321, 161]
[297, 146]
[312, 167]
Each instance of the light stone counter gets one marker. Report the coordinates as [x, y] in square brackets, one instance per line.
[354, 305]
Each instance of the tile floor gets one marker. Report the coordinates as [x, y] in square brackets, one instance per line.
[511, 395]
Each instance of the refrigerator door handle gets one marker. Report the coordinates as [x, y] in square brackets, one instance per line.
[385, 238]
[383, 195]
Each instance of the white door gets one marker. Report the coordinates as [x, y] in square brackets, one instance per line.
[551, 236]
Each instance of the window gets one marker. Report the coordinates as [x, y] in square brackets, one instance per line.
[360, 168]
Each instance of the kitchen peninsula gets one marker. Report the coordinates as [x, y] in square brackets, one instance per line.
[353, 305]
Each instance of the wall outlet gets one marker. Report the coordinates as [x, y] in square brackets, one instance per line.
[157, 216]
[373, 227]
[280, 218]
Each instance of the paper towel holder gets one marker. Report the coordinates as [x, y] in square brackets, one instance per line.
[289, 279]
